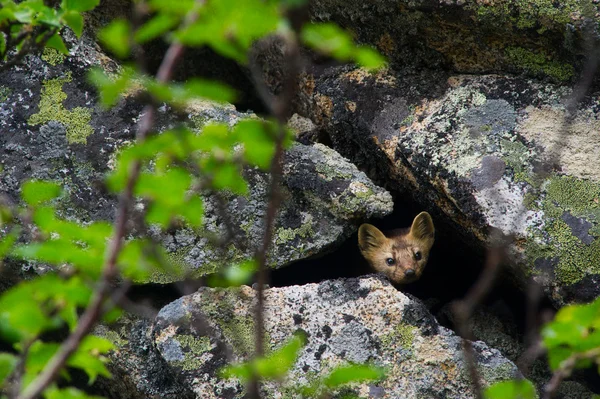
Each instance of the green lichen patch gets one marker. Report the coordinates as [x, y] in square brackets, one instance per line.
[524, 14]
[4, 93]
[51, 108]
[577, 196]
[556, 242]
[52, 56]
[539, 64]
[286, 235]
[238, 329]
[402, 337]
[516, 155]
[193, 347]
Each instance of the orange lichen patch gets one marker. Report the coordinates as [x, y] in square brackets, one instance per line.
[359, 75]
[350, 106]
[386, 44]
[325, 106]
[307, 84]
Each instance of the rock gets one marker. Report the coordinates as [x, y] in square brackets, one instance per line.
[138, 370]
[54, 128]
[483, 153]
[345, 320]
[325, 199]
[541, 38]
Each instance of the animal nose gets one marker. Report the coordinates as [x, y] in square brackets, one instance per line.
[409, 273]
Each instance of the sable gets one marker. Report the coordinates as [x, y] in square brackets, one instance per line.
[402, 254]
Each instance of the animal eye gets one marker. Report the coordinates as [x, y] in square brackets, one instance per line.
[418, 255]
[390, 261]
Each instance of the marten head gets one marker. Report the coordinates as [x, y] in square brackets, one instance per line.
[399, 254]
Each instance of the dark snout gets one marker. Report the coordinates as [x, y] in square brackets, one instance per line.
[409, 273]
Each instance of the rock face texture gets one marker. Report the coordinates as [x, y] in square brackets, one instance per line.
[542, 38]
[54, 128]
[325, 199]
[483, 152]
[346, 321]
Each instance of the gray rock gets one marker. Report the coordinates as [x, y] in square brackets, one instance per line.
[481, 153]
[346, 321]
[54, 128]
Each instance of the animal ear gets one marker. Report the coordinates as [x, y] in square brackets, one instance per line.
[370, 237]
[422, 227]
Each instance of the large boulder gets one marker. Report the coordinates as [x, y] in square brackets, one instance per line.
[540, 37]
[54, 128]
[482, 153]
[346, 321]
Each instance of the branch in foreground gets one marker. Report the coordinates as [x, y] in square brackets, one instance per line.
[95, 308]
[565, 370]
[465, 308]
[279, 107]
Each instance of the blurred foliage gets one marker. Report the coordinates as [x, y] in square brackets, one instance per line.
[31, 25]
[177, 167]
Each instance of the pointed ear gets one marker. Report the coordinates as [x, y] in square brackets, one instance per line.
[422, 227]
[370, 237]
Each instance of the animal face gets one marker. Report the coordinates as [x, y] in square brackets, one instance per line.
[400, 254]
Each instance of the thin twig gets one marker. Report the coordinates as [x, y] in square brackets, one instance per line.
[280, 107]
[465, 308]
[565, 370]
[95, 308]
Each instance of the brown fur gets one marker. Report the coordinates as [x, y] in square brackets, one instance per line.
[401, 246]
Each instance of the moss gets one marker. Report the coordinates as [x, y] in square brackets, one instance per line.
[51, 108]
[525, 14]
[193, 347]
[539, 64]
[4, 93]
[52, 56]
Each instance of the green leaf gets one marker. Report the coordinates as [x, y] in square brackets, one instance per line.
[39, 355]
[7, 242]
[7, 365]
[557, 355]
[234, 275]
[557, 333]
[354, 373]
[2, 43]
[258, 140]
[36, 192]
[87, 357]
[155, 27]
[79, 5]
[74, 20]
[513, 389]
[280, 362]
[20, 313]
[141, 258]
[328, 38]
[273, 366]
[116, 37]
[193, 211]
[200, 88]
[369, 58]
[56, 42]
[111, 88]
[228, 176]
[67, 393]
[179, 7]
